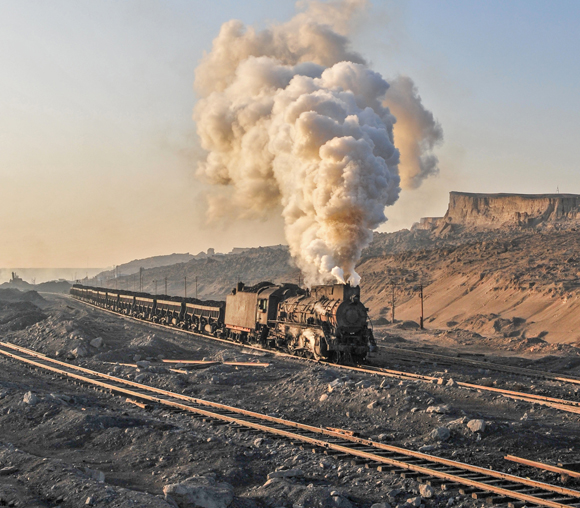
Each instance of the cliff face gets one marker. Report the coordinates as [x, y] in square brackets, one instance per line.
[493, 210]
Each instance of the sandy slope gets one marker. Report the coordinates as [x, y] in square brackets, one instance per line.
[484, 284]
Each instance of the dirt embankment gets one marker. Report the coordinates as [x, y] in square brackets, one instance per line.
[525, 285]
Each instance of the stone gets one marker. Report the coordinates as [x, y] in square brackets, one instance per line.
[426, 491]
[136, 358]
[381, 505]
[8, 470]
[95, 474]
[288, 473]
[414, 501]
[442, 409]
[30, 398]
[373, 404]
[383, 437]
[97, 343]
[339, 501]
[440, 434]
[476, 425]
[394, 493]
[451, 383]
[79, 352]
[139, 378]
[258, 442]
[143, 364]
[90, 500]
[427, 448]
[200, 492]
[323, 397]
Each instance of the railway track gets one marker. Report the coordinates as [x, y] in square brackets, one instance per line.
[569, 406]
[493, 486]
[417, 356]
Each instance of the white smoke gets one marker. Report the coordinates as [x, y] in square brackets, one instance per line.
[416, 132]
[292, 118]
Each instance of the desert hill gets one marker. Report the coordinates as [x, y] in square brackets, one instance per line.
[133, 266]
[495, 264]
[216, 274]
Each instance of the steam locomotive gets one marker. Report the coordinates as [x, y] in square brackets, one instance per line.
[327, 322]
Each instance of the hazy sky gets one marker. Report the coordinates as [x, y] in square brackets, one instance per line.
[98, 148]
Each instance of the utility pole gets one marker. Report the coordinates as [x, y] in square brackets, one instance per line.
[393, 305]
[185, 286]
[165, 285]
[421, 295]
[299, 280]
[141, 270]
[196, 287]
[155, 286]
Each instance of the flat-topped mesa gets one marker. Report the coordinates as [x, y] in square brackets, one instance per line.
[494, 210]
[503, 210]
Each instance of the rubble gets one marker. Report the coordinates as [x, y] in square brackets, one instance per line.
[30, 398]
[476, 425]
[97, 342]
[200, 492]
[440, 434]
[426, 491]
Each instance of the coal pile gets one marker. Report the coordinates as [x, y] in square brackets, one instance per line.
[18, 310]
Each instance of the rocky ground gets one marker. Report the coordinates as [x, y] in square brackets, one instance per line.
[67, 445]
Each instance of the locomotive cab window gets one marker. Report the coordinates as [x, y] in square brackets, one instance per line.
[262, 305]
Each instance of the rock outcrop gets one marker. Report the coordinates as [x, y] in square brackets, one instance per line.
[494, 210]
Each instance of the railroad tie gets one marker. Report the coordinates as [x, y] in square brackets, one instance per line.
[495, 500]
[410, 474]
[372, 465]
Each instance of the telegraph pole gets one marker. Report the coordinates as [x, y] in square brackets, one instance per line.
[155, 286]
[185, 286]
[196, 286]
[421, 295]
[165, 285]
[393, 305]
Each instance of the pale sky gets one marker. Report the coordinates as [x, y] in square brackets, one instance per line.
[98, 148]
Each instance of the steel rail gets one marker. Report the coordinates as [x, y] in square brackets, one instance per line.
[411, 355]
[336, 440]
[569, 406]
[541, 465]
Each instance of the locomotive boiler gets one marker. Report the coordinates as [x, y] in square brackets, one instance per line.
[328, 322]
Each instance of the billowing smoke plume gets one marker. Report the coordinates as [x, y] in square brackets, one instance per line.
[416, 133]
[293, 119]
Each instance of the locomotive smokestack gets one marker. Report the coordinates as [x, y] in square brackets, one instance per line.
[294, 120]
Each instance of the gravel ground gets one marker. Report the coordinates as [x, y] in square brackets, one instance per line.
[67, 445]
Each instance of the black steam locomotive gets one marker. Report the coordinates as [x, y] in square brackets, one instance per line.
[326, 322]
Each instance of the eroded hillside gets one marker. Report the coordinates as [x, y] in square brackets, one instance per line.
[519, 282]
